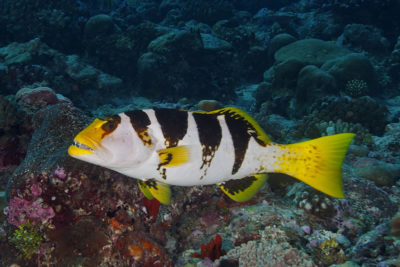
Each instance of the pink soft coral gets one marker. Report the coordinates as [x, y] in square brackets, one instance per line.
[20, 210]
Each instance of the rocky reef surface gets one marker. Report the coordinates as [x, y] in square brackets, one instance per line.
[303, 69]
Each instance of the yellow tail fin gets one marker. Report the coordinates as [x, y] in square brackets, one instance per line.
[317, 162]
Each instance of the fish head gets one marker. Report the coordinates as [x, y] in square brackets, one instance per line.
[109, 142]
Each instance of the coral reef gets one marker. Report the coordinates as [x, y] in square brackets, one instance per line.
[177, 59]
[104, 217]
[365, 37]
[310, 52]
[395, 226]
[279, 41]
[343, 114]
[27, 239]
[206, 11]
[356, 88]
[56, 23]
[272, 249]
[15, 133]
[8, 115]
[208, 105]
[312, 84]
[34, 64]
[352, 67]
[382, 173]
[33, 99]
[212, 250]
[20, 211]
[312, 201]
[329, 252]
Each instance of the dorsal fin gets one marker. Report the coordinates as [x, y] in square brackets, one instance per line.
[238, 114]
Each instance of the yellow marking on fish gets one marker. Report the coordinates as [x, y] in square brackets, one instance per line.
[174, 156]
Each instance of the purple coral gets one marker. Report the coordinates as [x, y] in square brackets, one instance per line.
[36, 190]
[20, 210]
[60, 173]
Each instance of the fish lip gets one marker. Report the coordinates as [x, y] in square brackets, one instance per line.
[82, 146]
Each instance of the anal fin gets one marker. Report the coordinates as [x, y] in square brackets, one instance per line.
[243, 189]
[153, 189]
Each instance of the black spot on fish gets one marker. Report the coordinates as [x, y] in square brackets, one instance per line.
[140, 122]
[238, 185]
[210, 135]
[174, 124]
[163, 173]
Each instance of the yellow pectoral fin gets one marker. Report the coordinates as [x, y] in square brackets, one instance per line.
[317, 162]
[174, 156]
[158, 190]
[145, 190]
[243, 189]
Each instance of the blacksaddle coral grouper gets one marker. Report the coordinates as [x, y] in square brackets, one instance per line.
[227, 147]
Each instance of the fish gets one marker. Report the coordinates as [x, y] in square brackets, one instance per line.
[161, 147]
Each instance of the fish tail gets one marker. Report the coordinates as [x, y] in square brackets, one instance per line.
[316, 162]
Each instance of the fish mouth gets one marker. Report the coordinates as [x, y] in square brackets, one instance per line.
[78, 149]
[82, 146]
[88, 140]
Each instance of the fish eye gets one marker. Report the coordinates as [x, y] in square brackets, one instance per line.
[110, 124]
